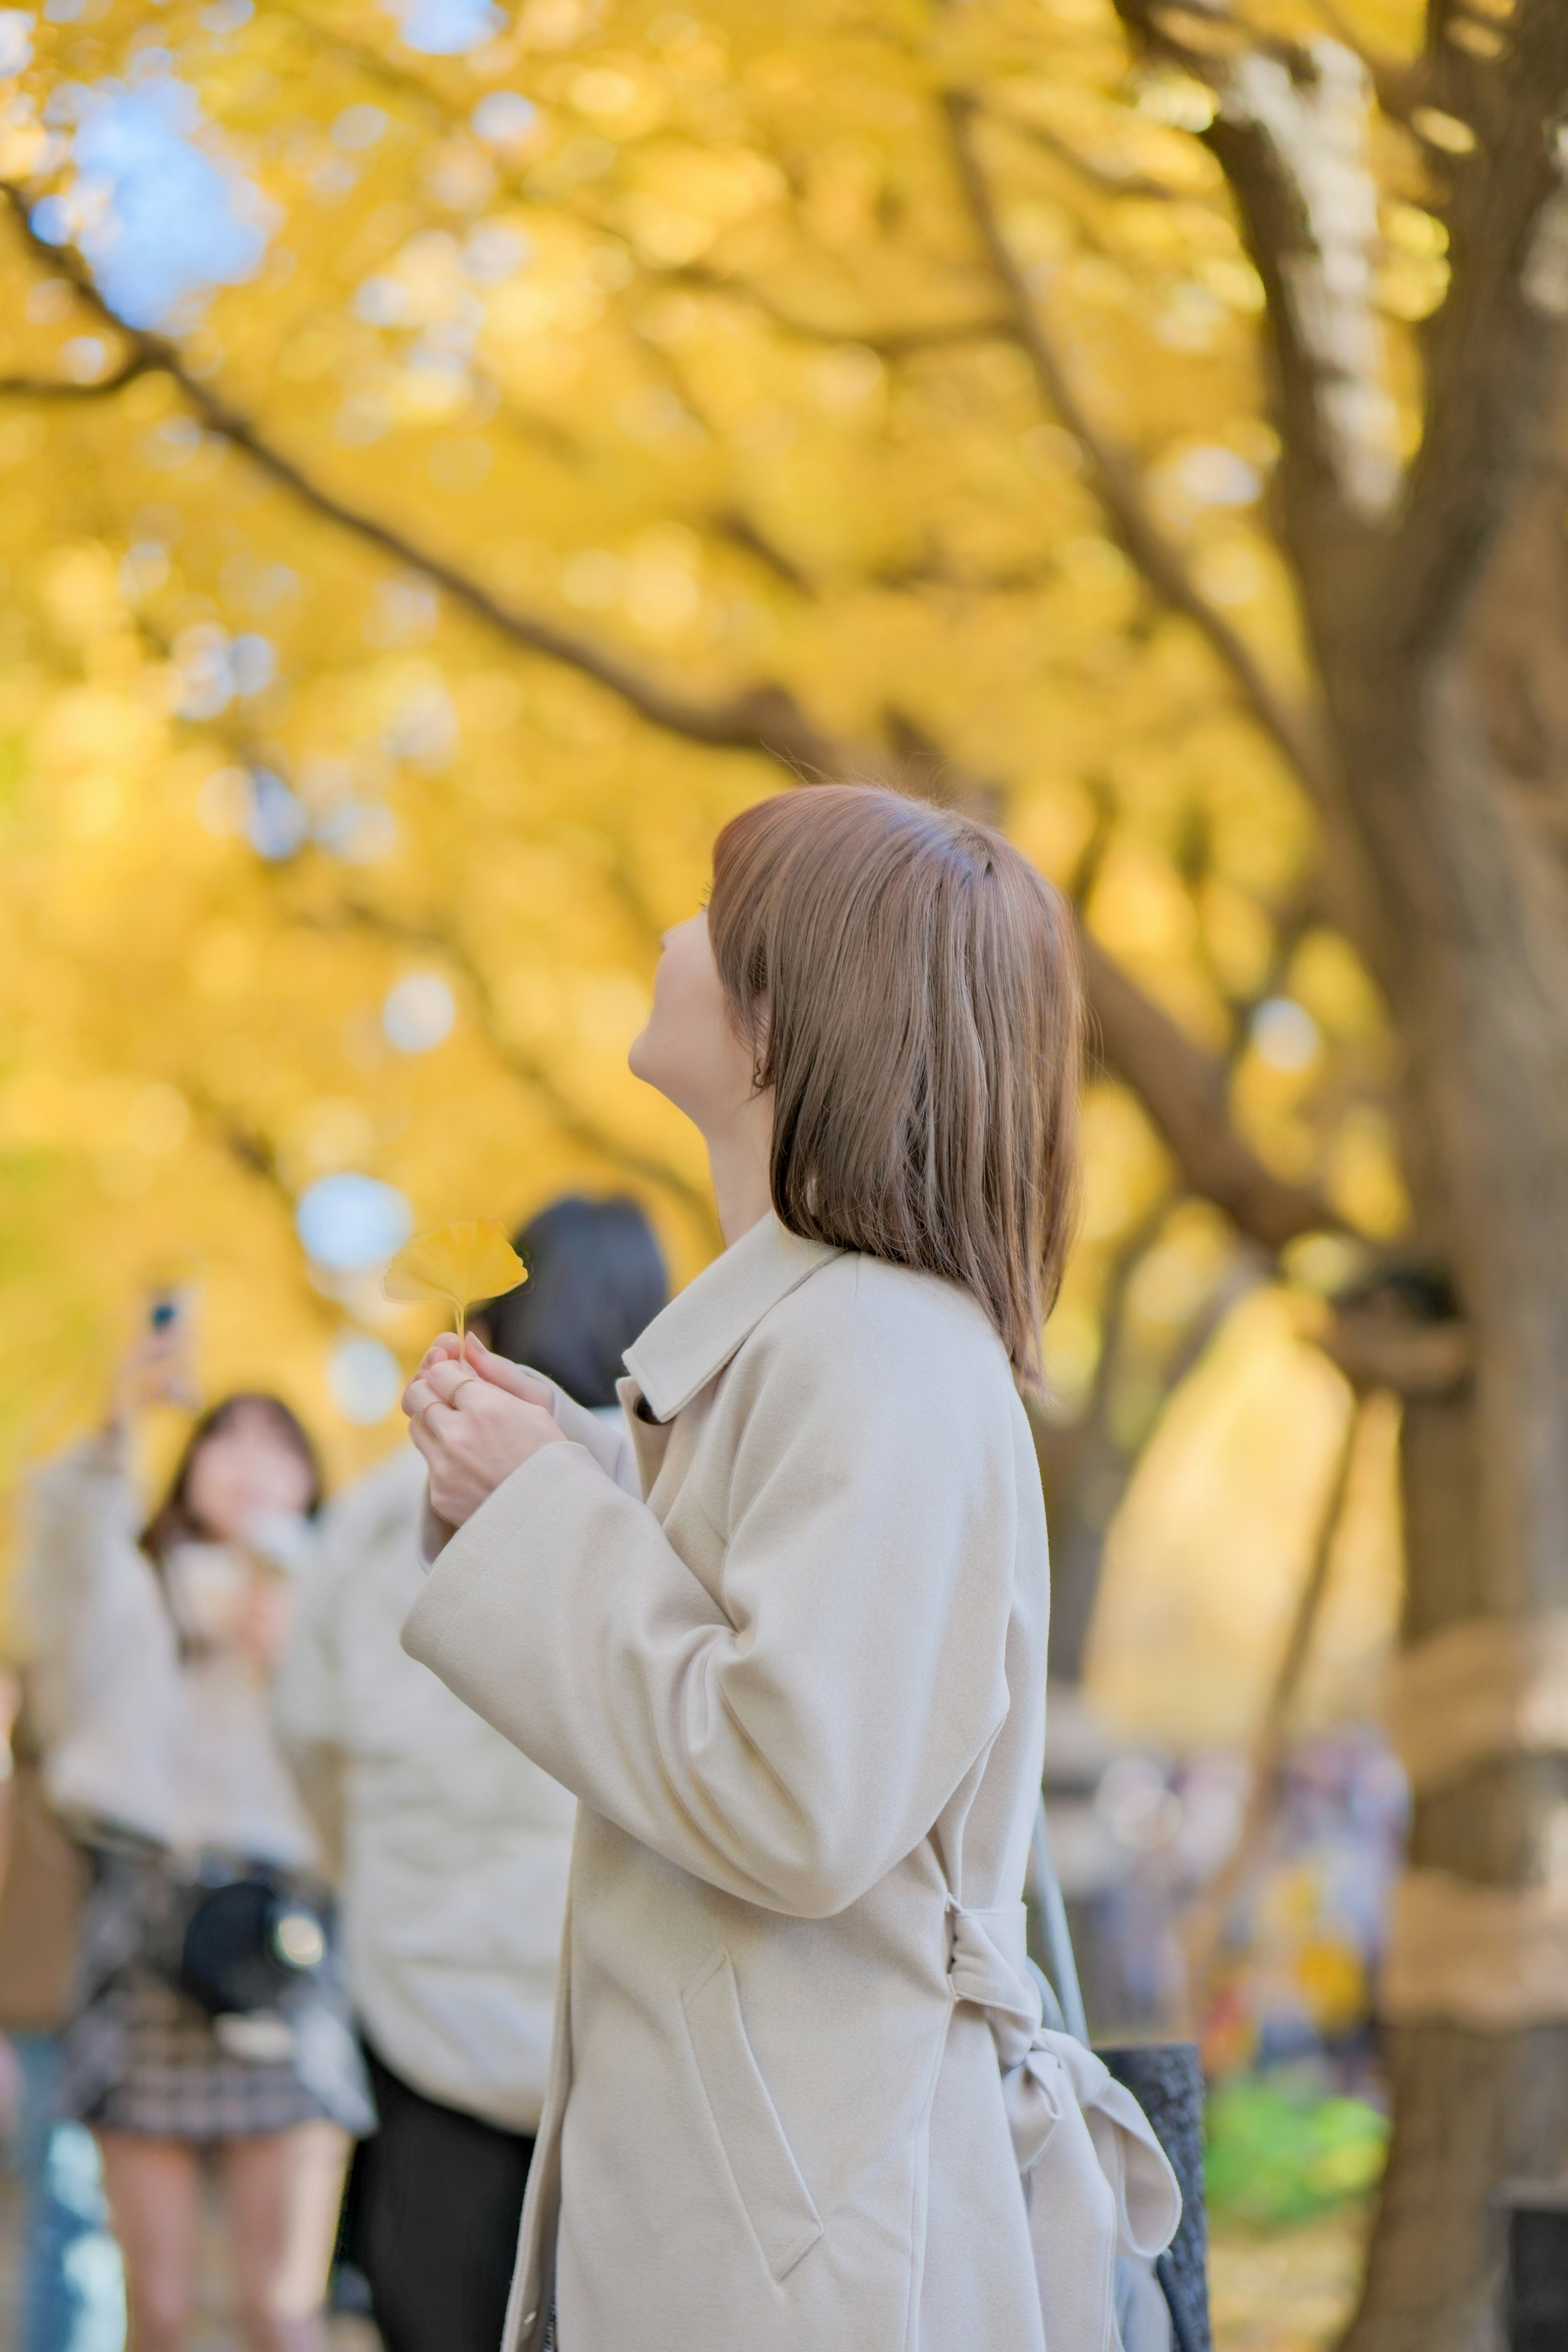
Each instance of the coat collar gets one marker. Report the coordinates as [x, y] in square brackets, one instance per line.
[703, 1324]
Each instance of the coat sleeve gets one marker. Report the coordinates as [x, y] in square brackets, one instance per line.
[306, 1694]
[792, 1745]
[78, 1507]
[308, 1710]
[604, 1437]
[609, 1446]
[98, 1640]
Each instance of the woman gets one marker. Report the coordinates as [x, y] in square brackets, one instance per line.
[798, 1691]
[153, 1658]
[457, 1848]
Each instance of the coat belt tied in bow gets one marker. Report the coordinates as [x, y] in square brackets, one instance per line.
[1096, 2180]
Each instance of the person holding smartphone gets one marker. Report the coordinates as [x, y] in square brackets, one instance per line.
[151, 1650]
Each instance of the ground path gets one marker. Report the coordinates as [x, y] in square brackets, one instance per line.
[1291, 2290]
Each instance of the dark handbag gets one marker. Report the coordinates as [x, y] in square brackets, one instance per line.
[248, 1942]
[1167, 2080]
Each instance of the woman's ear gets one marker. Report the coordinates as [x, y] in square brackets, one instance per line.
[761, 1024]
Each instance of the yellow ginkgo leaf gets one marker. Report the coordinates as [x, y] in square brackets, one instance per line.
[459, 1263]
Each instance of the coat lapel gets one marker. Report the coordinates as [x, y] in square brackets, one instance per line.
[703, 1324]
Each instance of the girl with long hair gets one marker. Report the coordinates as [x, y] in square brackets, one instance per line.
[192, 2036]
[802, 2097]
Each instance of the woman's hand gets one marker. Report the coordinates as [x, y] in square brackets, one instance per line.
[155, 1370]
[476, 1418]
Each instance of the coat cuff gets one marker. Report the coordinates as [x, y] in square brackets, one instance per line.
[434, 1534]
[609, 1449]
[463, 1557]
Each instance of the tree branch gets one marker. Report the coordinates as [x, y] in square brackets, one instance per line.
[766, 717]
[1088, 1465]
[1375, 1347]
[1492, 348]
[1489, 347]
[763, 718]
[1203, 1930]
[573, 1121]
[254, 1152]
[1293, 732]
[47, 387]
[1183, 1090]
[1285, 134]
[744, 531]
[1399, 87]
[1110, 182]
[890, 342]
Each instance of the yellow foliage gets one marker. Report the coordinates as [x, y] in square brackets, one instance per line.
[672, 337]
[464, 1261]
[1209, 1552]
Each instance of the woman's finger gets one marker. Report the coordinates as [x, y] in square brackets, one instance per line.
[514, 1377]
[420, 1395]
[445, 1380]
[428, 1440]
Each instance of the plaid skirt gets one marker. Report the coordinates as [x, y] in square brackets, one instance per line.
[140, 2057]
[179, 2082]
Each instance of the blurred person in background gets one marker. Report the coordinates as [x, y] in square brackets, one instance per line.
[150, 1657]
[72, 2286]
[456, 1847]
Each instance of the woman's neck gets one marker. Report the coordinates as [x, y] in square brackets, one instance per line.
[740, 1158]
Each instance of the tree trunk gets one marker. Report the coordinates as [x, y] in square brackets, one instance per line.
[1454, 758]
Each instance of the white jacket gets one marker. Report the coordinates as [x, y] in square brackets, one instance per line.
[457, 1848]
[180, 1750]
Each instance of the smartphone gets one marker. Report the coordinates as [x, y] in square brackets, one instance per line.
[165, 1312]
[168, 1321]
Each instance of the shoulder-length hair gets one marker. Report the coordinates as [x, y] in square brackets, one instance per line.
[174, 1522]
[909, 986]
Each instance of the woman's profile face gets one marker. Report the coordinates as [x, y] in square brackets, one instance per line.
[689, 1049]
[245, 1472]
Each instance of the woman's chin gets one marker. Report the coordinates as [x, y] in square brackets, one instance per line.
[645, 1061]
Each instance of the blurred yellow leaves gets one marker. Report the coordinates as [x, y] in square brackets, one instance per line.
[1207, 1557]
[674, 335]
[46, 1111]
[1415, 274]
[687, 197]
[95, 747]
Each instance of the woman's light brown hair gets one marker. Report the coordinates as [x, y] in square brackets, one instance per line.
[910, 987]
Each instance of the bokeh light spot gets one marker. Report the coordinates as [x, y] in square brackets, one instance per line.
[1284, 1033]
[419, 1012]
[349, 1222]
[365, 1379]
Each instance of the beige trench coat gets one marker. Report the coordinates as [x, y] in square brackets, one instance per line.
[799, 1693]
